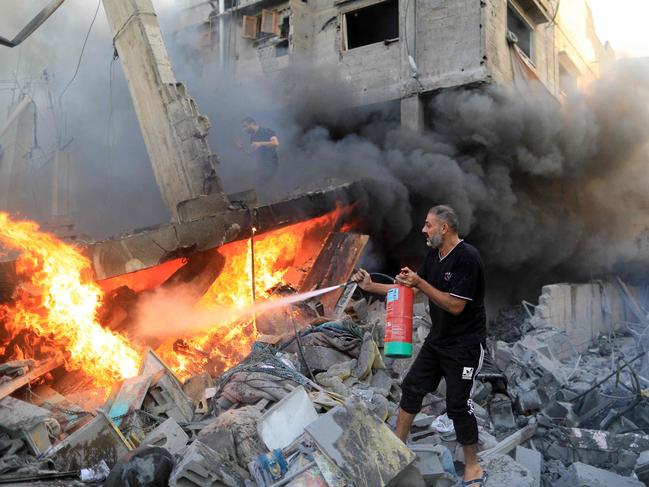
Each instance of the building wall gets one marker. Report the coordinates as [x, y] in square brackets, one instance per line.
[452, 43]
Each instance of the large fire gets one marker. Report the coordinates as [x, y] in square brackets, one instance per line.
[276, 252]
[61, 304]
[58, 301]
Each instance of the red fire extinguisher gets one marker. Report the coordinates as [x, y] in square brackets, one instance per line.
[398, 322]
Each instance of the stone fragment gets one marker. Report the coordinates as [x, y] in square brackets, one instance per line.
[360, 444]
[201, 466]
[235, 432]
[500, 409]
[98, 440]
[285, 421]
[323, 358]
[532, 460]
[168, 435]
[528, 402]
[166, 398]
[642, 467]
[504, 471]
[582, 475]
[20, 419]
[382, 382]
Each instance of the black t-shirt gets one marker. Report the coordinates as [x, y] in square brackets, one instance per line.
[460, 273]
[264, 155]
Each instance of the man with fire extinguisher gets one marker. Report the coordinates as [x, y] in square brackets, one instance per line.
[452, 277]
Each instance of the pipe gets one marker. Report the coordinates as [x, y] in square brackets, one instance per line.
[221, 33]
[35, 23]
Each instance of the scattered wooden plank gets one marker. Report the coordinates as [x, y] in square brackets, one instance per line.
[335, 265]
[9, 387]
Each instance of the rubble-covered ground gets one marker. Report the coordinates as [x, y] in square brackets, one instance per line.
[317, 409]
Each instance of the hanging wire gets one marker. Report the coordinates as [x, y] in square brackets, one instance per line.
[83, 48]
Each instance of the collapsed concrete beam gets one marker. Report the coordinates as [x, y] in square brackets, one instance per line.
[175, 133]
[151, 247]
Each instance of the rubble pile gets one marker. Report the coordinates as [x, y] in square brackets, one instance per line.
[317, 407]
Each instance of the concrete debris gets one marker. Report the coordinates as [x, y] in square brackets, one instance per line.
[241, 424]
[98, 440]
[201, 466]
[582, 475]
[548, 413]
[504, 471]
[360, 444]
[532, 460]
[169, 435]
[166, 398]
[286, 420]
[500, 409]
[23, 420]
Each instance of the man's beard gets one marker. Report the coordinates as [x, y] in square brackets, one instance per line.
[435, 240]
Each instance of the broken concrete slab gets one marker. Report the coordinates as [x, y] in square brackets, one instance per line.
[127, 398]
[168, 435]
[642, 467]
[532, 460]
[150, 247]
[23, 420]
[528, 402]
[286, 420]
[202, 466]
[361, 445]
[235, 432]
[500, 409]
[322, 358]
[98, 440]
[582, 475]
[68, 414]
[165, 397]
[435, 463]
[331, 473]
[504, 471]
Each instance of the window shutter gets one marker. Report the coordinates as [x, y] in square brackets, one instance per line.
[250, 27]
[270, 22]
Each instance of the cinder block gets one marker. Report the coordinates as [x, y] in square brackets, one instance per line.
[203, 467]
[169, 435]
[582, 475]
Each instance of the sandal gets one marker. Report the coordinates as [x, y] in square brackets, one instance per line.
[481, 482]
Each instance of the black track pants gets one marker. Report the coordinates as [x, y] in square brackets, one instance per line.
[458, 365]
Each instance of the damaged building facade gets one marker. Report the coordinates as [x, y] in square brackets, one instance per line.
[399, 52]
[302, 393]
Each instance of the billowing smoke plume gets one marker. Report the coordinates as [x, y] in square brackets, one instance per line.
[545, 191]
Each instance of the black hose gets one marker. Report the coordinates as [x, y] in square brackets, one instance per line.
[383, 275]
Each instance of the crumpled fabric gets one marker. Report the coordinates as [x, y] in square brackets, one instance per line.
[249, 387]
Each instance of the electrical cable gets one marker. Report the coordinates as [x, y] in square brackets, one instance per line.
[83, 48]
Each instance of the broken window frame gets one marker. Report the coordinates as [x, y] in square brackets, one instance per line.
[344, 37]
[273, 15]
[518, 12]
[249, 19]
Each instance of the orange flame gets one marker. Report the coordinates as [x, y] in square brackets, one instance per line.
[276, 253]
[62, 306]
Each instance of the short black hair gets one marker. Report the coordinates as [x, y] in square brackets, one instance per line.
[445, 214]
[248, 120]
